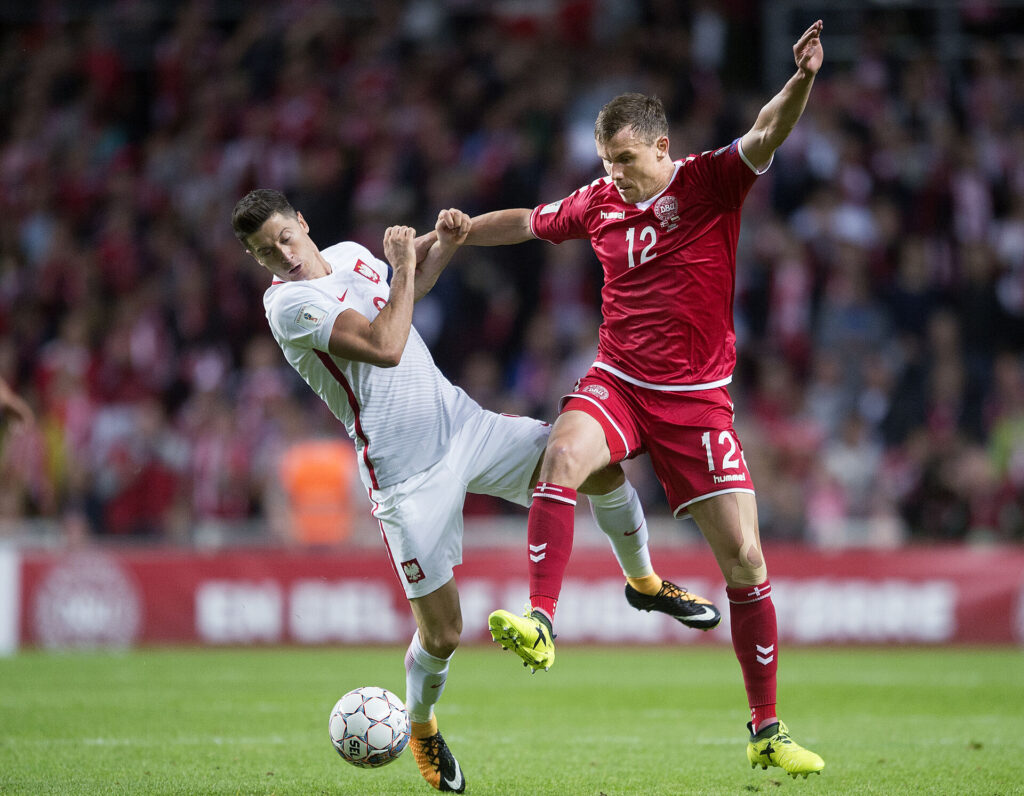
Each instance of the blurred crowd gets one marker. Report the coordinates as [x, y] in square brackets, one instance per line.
[880, 296]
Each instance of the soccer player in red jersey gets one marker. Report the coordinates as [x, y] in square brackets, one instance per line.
[665, 232]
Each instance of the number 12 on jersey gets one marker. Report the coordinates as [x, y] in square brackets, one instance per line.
[649, 234]
[730, 460]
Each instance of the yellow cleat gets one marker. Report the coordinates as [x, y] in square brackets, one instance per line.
[773, 747]
[529, 636]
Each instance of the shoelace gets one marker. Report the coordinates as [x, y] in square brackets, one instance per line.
[432, 750]
[673, 592]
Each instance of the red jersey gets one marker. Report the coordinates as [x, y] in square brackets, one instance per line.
[669, 269]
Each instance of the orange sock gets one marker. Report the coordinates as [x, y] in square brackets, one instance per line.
[426, 754]
[423, 729]
[648, 584]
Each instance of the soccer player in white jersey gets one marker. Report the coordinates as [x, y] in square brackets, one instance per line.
[665, 232]
[421, 442]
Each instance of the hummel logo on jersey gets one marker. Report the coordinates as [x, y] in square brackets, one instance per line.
[539, 550]
[364, 270]
[618, 216]
[412, 571]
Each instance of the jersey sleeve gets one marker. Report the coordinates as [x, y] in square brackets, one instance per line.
[564, 219]
[724, 174]
[303, 317]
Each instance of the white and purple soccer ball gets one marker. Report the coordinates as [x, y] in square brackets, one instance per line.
[369, 727]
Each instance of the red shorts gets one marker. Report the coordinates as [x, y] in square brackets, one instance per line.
[688, 434]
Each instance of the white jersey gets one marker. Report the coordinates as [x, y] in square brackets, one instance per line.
[402, 418]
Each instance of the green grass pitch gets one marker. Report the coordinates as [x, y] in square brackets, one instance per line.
[602, 721]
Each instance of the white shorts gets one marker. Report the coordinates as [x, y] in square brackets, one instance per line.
[421, 517]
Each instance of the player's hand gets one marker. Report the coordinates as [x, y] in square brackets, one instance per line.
[807, 51]
[452, 227]
[398, 247]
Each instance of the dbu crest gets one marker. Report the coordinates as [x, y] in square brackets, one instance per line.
[666, 209]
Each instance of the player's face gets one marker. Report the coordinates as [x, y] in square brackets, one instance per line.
[638, 169]
[283, 246]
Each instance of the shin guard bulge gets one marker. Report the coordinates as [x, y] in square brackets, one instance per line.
[755, 640]
[549, 536]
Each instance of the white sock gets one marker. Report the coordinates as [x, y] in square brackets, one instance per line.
[621, 517]
[425, 676]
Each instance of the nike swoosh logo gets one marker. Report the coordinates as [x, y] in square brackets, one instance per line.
[637, 528]
[456, 783]
[342, 296]
[709, 613]
[439, 684]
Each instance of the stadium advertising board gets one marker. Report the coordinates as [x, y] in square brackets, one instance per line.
[133, 597]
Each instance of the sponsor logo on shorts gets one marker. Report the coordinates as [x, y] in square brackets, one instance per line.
[596, 390]
[721, 479]
[412, 571]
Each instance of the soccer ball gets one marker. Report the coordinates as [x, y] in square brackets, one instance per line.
[369, 727]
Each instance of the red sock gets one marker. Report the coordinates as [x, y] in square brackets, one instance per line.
[755, 637]
[549, 534]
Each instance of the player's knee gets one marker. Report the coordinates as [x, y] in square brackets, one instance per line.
[747, 575]
[748, 568]
[441, 642]
[564, 462]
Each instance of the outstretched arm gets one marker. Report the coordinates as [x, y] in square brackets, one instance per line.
[778, 118]
[449, 233]
[501, 228]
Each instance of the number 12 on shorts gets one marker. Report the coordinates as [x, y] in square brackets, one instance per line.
[725, 440]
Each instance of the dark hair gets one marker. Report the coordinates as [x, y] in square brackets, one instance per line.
[646, 115]
[255, 208]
